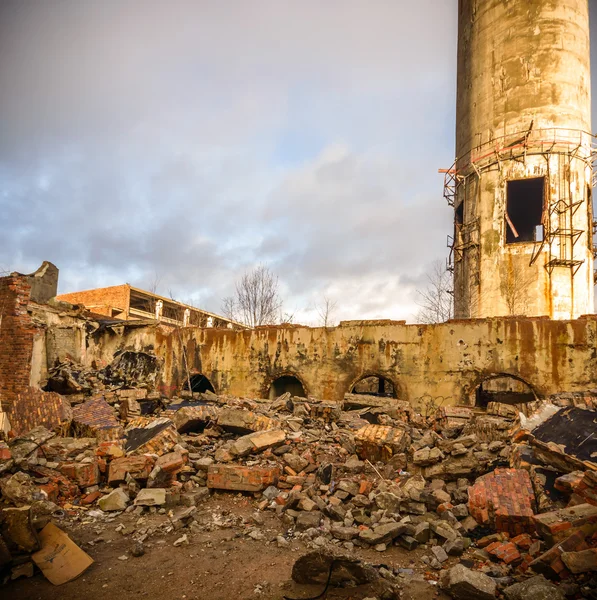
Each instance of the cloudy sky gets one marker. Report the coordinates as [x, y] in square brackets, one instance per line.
[182, 143]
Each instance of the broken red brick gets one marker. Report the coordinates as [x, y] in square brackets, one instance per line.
[365, 487]
[51, 490]
[567, 483]
[110, 448]
[551, 565]
[490, 539]
[90, 498]
[34, 407]
[504, 500]
[523, 541]
[237, 477]
[67, 490]
[96, 418]
[171, 462]
[445, 506]
[151, 436]
[379, 442]
[83, 474]
[5, 453]
[507, 552]
[527, 559]
[557, 525]
[585, 490]
[139, 467]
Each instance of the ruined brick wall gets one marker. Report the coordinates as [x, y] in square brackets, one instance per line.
[101, 299]
[17, 333]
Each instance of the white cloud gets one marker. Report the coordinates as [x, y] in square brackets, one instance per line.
[190, 140]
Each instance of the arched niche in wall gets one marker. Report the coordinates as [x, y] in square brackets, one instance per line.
[287, 383]
[199, 383]
[504, 388]
[374, 385]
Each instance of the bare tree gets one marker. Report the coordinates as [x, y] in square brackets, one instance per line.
[257, 300]
[436, 300]
[325, 312]
[515, 289]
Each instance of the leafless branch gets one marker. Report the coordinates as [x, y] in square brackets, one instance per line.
[325, 311]
[515, 289]
[436, 300]
[257, 300]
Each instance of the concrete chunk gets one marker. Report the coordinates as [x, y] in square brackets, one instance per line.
[257, 442]
[17, 527]
[116, 500]
[382, 533]
[151, 497]
[463, 584]
[535, 588]
[238, 420]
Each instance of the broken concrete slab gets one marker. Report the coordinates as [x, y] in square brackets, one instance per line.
[451, 419]
[27, 444]
[242, 421]
[360, 401]
[307, 520]
[583, 561]
[257, 442]
[535, 588]
[317, 567]
[151, 497]
[20, 489]
[194, 418]
[573, 429]
[382, 533]
[16, 525]
[464, 584]
[115, 500]
[552, 455]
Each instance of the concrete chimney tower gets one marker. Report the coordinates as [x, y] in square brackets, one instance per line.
[521, 184]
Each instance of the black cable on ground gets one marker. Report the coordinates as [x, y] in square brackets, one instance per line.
[325, 589]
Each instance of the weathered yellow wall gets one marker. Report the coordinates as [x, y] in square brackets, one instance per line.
[444, 362]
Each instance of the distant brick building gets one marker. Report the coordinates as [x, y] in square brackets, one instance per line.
[128, 303]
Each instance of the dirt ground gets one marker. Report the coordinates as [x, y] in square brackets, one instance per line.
[219, 563]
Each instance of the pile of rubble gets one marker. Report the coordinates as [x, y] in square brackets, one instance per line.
[371, 473]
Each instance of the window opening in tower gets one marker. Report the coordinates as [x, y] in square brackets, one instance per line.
[524, 210]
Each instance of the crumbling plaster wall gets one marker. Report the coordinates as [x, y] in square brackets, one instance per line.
[444, 363]
[441, 363]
